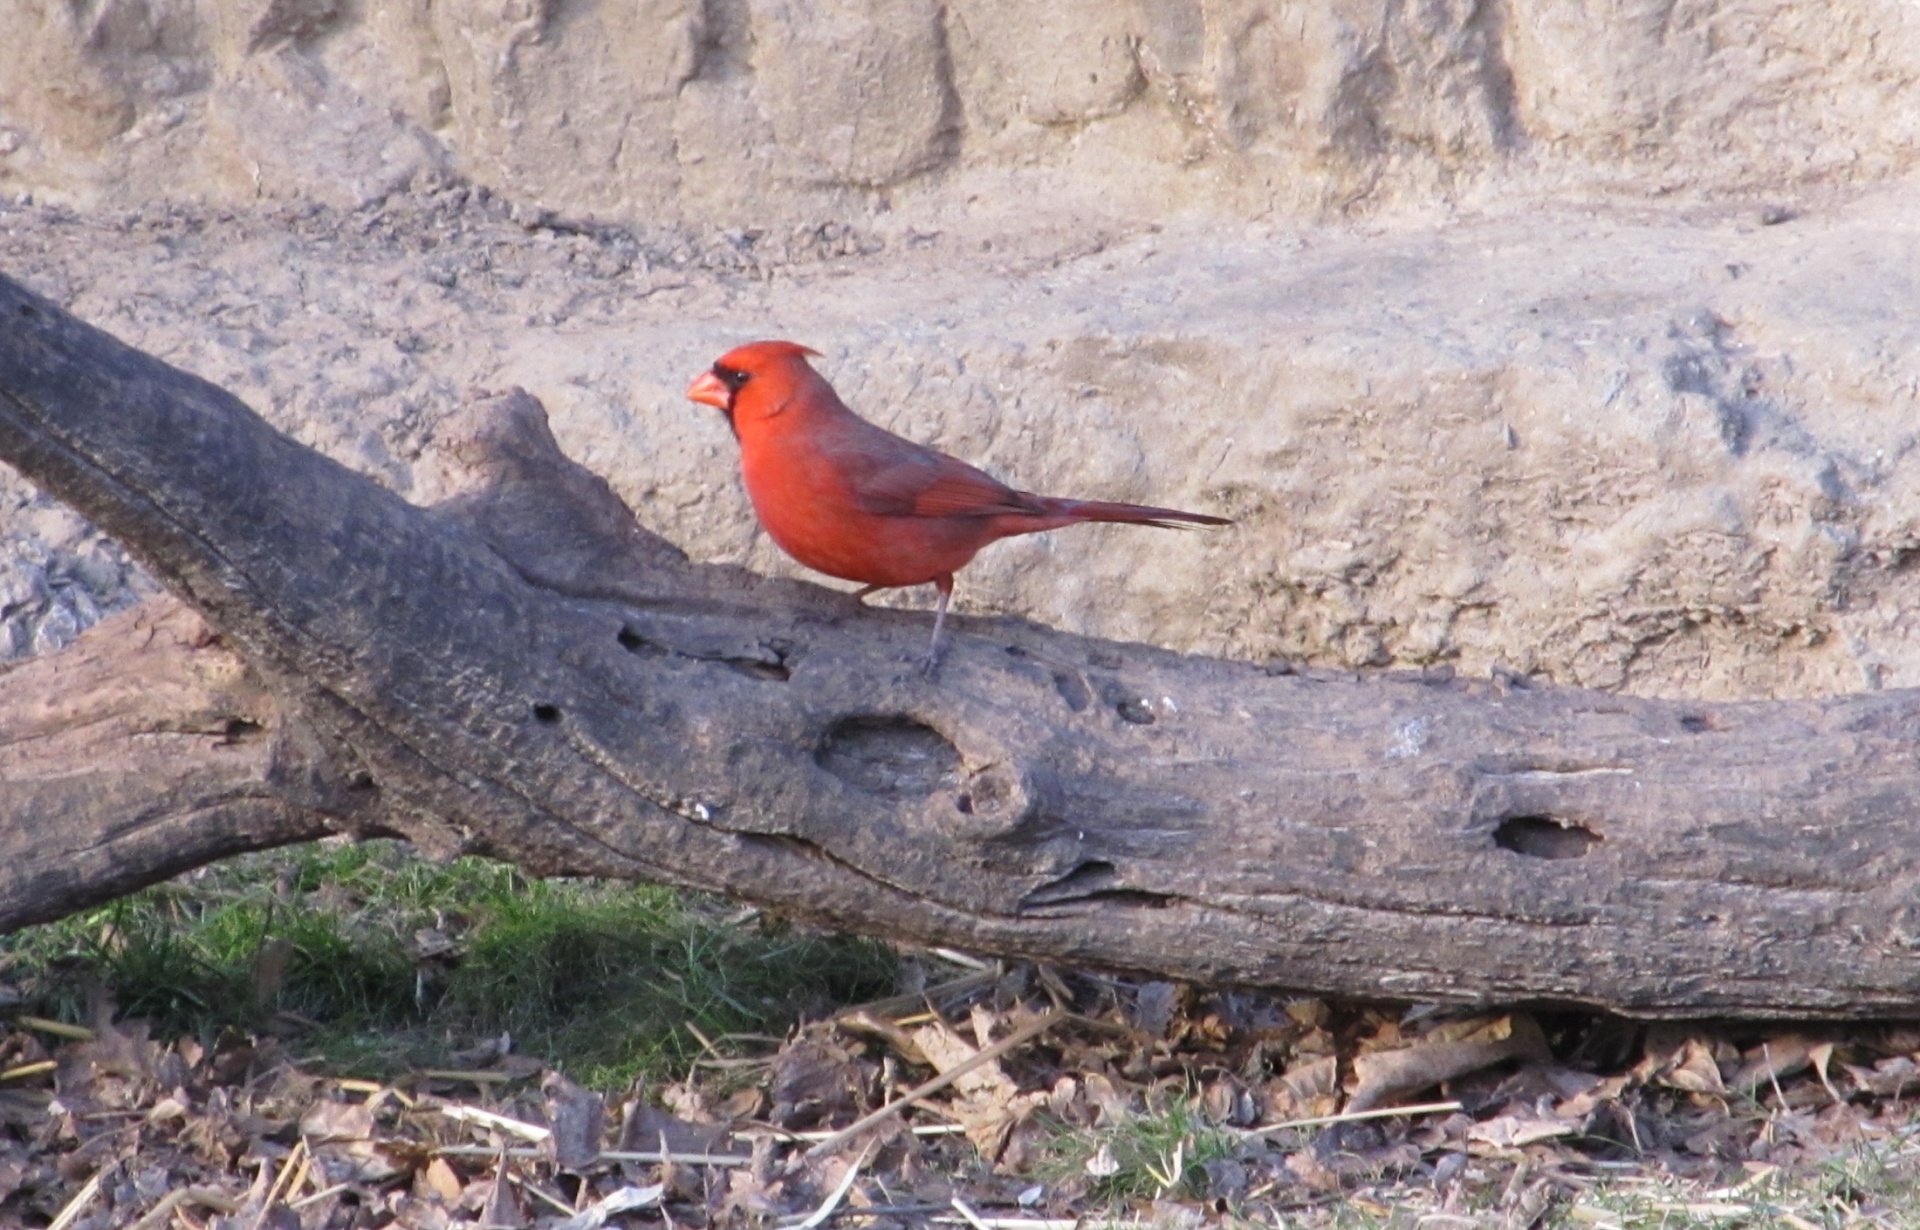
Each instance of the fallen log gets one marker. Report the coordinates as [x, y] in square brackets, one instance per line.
[523, 671]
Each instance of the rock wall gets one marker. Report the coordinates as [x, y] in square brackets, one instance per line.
[1570, 337]
[751, 112]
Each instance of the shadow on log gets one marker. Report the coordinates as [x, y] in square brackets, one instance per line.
[525, 672]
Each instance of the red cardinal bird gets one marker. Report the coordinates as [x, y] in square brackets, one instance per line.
[855, 501]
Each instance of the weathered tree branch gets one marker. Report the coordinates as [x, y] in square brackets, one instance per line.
[526, 672]
[140, 752]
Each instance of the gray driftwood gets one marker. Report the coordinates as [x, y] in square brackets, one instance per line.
[526, 672]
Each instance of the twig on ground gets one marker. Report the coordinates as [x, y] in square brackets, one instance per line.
[972, 1218]
[918, 1129]
[322, 1194]
[1025, 1033]
[820, 1215]
[284, 1181]
[59, 1029]
[706, 1043]
[606, 1155]
[462, 1074]
[161, 1214]
[1354, 1116]
[486, 1118]
[78, 1205]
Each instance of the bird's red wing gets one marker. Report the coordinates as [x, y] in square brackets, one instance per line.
[929, 484]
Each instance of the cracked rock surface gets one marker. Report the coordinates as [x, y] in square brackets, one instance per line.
[1571, 339]
[1671, 451]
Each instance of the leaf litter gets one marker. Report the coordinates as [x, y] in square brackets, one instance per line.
[1019, 1097]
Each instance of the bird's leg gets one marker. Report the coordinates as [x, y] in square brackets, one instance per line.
[860, 595]
[932, 661]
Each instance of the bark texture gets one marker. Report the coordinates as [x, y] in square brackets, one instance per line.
[526, 672]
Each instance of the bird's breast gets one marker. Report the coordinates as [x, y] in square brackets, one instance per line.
[810, 506]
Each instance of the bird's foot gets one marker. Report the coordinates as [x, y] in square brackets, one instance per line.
[930, 664]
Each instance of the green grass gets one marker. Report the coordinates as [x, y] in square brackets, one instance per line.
[1157, 1154]
[1871, 1184]
[378, 960]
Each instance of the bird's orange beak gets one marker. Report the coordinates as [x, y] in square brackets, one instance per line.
[708, 389]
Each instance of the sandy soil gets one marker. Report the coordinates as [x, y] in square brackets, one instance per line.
[1670, 449]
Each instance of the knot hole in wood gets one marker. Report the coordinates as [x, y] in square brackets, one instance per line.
[889, 755]
[1545, 837]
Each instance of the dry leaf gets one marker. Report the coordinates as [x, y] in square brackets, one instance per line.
[899, 1039]
[1224, 1101]
[441, 1180]
[1154, 1006]
[1310, 1088]
[741, 1104]
[1513, 1131]
[1310, 1013]
[755, 1196]
[648, 1128]
[688, 1102]
[169, 1108]
[503, 1203]
[946, 1050]
[1692, 1070]
[269, 971]
[1581, 1106]
[1113, 1104]
[1065, 1103]
[816, 1081]
[624, 1200]
[326, 1122]
[340, 1137]
[1890, 1078]
[579, 1121]
[1310, 1172]
[1772, 1061]
[1822, 1056]
[989, 1117]
[1536, 1081]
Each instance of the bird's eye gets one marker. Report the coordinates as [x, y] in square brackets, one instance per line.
[732, 377]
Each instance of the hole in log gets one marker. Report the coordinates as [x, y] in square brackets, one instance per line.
[1093, 880]
[1544, 837]
[775, 671]
[987, 794]
[1071, 687]
[891, 756]
[1123, 700]
[546, 713]
[1695, 723]
[754, 668]
[240, 730]
[1092, 876]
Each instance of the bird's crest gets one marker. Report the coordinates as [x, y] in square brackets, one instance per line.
[753, 353]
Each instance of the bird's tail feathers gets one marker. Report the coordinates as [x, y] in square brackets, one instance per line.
[1138, 514]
